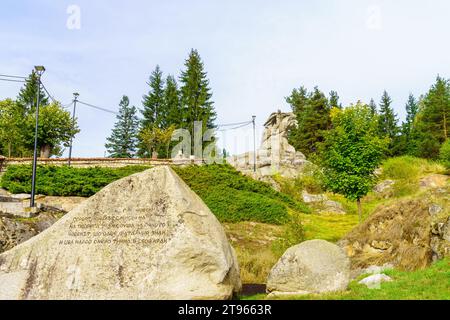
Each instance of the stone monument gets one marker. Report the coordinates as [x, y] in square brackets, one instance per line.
[146, 236]
[275, 155]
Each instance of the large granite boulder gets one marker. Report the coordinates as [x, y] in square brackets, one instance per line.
[147, 236]
[315, 266]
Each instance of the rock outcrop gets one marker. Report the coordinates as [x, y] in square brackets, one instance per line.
[408, 235]
[275, 155]
[147, 236]
[315, 266]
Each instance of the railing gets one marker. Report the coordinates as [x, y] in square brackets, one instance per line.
[95, 162]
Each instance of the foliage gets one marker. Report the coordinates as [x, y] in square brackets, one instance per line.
[157, 140]
[444, 153]
[153, 102]
[233, 197]
[123, 140]
[387, 124]
[352, 151]
[431, 128]
[11, 128]
[64, 181]
[196, 95]
[27, 95]
[312, 111]
[56, 128]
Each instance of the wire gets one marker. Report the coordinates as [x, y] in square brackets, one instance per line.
[9, 76]
[98, 108]
[235, 124]
[238, 127]
[11, 80]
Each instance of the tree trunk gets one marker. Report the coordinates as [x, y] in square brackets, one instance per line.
[359, 210]
[45, 151]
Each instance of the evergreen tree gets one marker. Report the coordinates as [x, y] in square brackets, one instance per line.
[298, 101]
[412, 107]
[387, 124]
[334, 100]
[27, 95]
[196, 95]
[431, 128]
[313, 117]
[172, 107]
[373, 107]
[153, 102]
[123, 140]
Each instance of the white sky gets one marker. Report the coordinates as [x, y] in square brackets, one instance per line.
[255, 52]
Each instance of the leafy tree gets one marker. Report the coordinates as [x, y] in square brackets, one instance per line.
[313, 117]
[351, 152]
[123, 140]
[27, 95]
[157, 140]
[431, 128]
[196, 95]
[11, 128]
[55, 129]
[153, 102]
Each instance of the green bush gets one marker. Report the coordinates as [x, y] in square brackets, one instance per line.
[233, 197]
[444, 154]
[64, 181]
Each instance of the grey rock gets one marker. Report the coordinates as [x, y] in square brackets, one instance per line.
[374, 281]
[384, 186]
[146, 236]
[315, 266]
[435, 209]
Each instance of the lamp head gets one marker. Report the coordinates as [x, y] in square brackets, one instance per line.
[39, 70]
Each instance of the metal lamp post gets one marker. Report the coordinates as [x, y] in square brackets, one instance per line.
[39, 71]
[75, 99]
[254, 143]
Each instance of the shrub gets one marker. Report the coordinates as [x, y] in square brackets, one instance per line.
[444, 154]
[233, 197]
[64, 181]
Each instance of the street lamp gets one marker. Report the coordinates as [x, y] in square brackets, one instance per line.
[39, 70]
[254, 143]
[75, 99]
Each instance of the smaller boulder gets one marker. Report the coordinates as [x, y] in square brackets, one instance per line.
[315, 266]
[374, 281]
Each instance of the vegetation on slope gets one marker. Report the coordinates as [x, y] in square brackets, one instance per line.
[64, 181]
[234, 197]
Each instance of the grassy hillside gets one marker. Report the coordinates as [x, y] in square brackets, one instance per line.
[234, 197]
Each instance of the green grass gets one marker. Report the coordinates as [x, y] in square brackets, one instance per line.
[234, 197]
[432, 283]
[64, 181]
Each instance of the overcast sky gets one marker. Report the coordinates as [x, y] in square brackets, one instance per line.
[255, 52]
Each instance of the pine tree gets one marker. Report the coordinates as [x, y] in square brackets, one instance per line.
[172, 107]
[412, 107]
[153, 102]
[387, 124]
[431, 128]
[388, 119]
[313, 117]
[123, 140]
[196, 95]
[334, 100]
[27, 95]
[373, 107]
